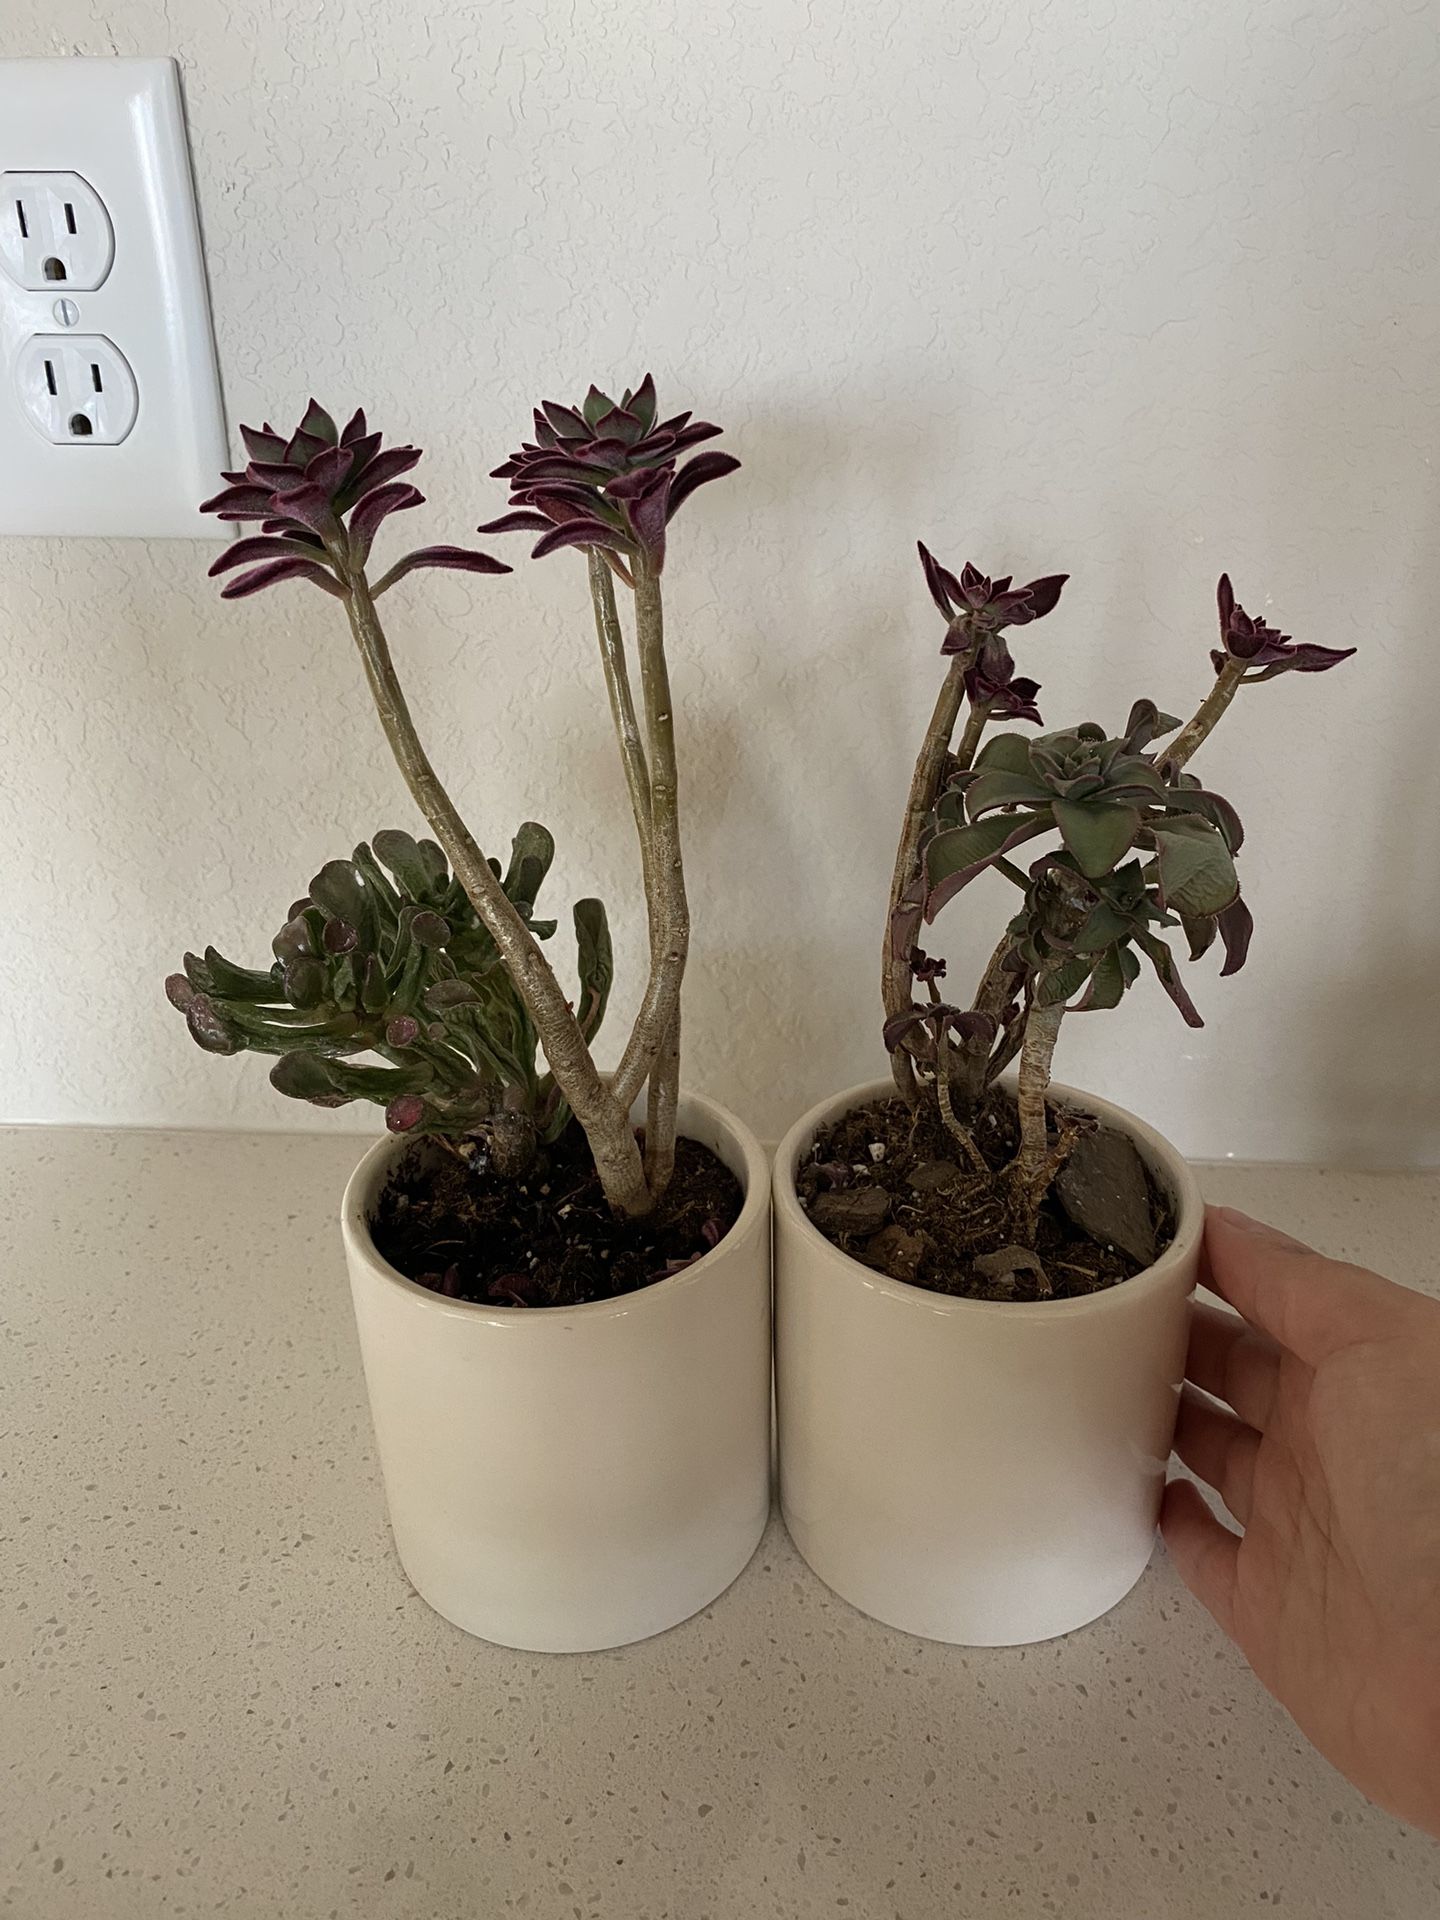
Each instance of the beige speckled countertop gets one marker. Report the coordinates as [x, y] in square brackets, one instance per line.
[218, 1695]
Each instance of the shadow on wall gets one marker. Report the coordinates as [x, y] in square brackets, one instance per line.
[800, 777]
[1374, 1083]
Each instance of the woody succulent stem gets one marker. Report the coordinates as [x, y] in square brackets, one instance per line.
[1042, 1030]
[896, 979]
[602, 1114]
[653, 1053]
[1206, 716]
[622, 701]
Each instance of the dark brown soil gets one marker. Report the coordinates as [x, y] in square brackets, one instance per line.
[893, 1189]
[549, 1239]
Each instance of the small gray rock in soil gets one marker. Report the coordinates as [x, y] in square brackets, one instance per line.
[933, 1175]
[1102, 1187]
[856, 1210]
[1009, 1261]
[896, 1252]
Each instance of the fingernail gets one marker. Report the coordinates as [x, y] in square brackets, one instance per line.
[1257, 1229]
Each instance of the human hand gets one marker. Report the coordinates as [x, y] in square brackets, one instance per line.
[1333, 1469]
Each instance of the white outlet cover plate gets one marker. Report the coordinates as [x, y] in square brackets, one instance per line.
[120, 124]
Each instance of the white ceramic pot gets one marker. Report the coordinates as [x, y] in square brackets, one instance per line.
[982, 1472]
[562, 1480]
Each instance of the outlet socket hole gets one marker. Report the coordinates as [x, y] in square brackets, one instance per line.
[70, 218]
[20, 216]
[55, 269]
[97, 382]
[80, 427]
[50, 377]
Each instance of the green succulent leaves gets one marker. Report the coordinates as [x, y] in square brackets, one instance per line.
[385, 957]
[1133, 851]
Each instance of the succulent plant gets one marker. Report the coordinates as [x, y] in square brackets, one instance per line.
[605, 474]
[1264, 650]
[321, 496]
[386, 956]
[423, 952]
[1138, 848]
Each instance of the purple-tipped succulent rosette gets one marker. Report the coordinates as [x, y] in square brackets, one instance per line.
[321, 496]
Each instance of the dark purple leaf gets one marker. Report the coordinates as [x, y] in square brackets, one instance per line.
[356, 429]
[565, 420]
[620, 426]
[292, 530]
[597, 405]
[318, 424]
[1236, 926]
[262, 444]
[310, 507]
[1168, 974]
[281, 480]
[1045, 593]
[330, 470]
[692, 435]
[1225, 601]
[648, 510]
[275, 572]
[239, 503]
[642, 403]
[259, 546]
[561, 500]
[556, 466]
[383, 468]
[695, 473]
[458, 559]
[366, 519]
[362, 452]
[523, 521]
[581, 533]
[899, 1025]
[1307, 658]
[302, 447]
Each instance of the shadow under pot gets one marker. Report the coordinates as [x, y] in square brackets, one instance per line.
[568, 1479]
[982, 1472]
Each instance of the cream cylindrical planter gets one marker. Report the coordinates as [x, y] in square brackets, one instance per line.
[567, 1479]
[982, 1472]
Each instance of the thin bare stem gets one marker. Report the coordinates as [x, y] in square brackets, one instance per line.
[968, 745]
[954, 1125]
[972, 1064]
[1202, 723]
[896, 979]
[650, 1049]
[600, 1112]
[622, 702]
[661, 1115]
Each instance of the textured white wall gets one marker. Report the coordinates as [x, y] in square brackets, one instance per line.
[1134, 291]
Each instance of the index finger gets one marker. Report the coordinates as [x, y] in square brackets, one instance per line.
[1309, 1304]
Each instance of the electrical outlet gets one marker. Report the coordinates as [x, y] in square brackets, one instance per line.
[110, 412]
[78, 389]
[55, 235]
